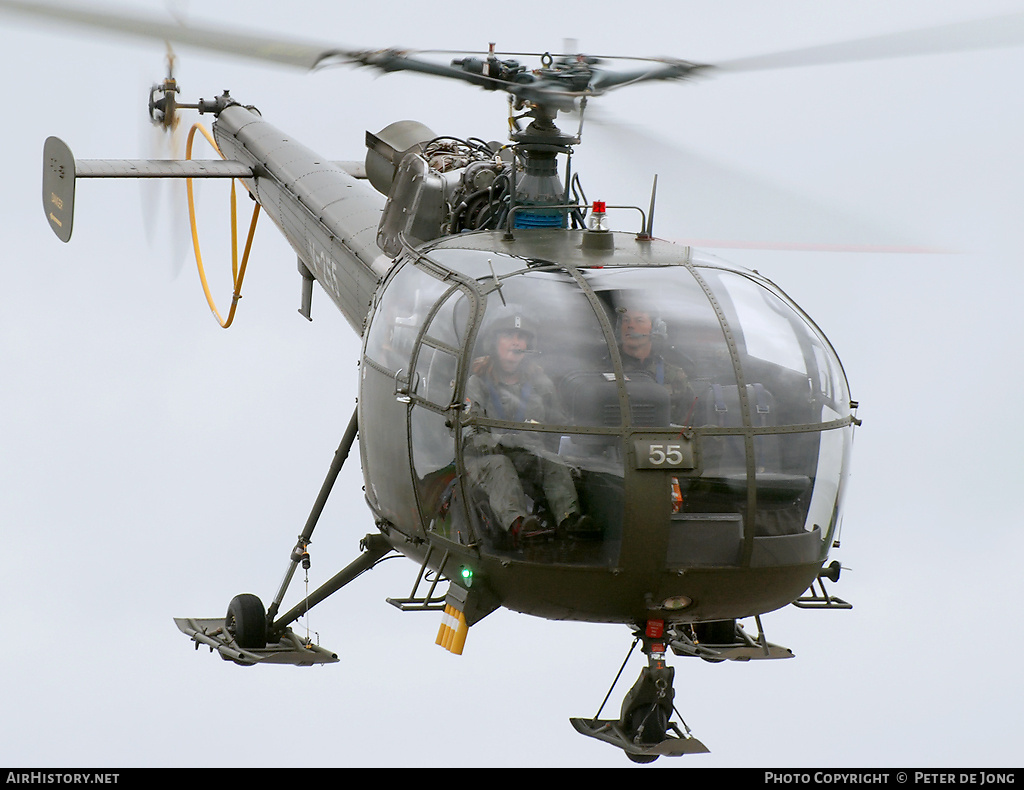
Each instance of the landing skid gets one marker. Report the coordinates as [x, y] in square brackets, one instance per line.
[645, 730]
[289, 649]
[724, 641]
[610, 731]
[250, 634]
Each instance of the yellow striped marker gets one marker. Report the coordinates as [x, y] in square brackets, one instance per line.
[452, 633]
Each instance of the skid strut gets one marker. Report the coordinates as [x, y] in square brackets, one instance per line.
[300, 553]
[239, 637]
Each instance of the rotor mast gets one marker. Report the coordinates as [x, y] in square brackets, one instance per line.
[537, 149]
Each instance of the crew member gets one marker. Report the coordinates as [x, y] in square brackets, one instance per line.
[507, 385]
[637, 328]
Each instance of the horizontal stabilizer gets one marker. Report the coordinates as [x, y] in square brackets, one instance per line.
[289, 649]
[354, 169]
[161, 168]
[60, 171]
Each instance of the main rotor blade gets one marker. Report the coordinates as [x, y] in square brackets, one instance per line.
[310, 54]
[1000, 31]
[665, 70]
[718, 205]
[291, 52]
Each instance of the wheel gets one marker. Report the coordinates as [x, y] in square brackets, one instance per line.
[246, 621]
[648, 724]
[716, 632]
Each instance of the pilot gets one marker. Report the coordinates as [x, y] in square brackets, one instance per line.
[637, 330]
[507, 385]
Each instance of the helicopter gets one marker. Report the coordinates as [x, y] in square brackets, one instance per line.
[714, 517]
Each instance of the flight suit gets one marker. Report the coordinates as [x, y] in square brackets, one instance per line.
[501, 461]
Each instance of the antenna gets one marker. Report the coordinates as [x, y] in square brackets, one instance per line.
[649, 230]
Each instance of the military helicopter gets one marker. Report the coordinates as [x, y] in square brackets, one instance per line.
[711, 482]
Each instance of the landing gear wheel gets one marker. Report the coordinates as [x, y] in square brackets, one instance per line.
[647, 725]
[246, 621]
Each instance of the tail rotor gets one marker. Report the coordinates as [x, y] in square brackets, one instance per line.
[164, 203]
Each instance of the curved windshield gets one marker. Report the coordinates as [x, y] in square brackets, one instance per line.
[430, 425]
[398, 316]
[536, 483]
[669, 339]
[793, 380]
[540, 399]
[723, 357]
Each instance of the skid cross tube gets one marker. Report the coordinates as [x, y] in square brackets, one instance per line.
[307, 532]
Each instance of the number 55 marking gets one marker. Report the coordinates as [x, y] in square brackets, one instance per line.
[654, 454]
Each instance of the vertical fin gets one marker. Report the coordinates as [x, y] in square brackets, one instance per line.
[58, 186]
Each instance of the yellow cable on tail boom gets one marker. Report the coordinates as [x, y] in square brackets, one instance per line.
[237, 271]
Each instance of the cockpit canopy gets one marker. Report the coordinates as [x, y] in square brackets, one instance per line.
[551, 409]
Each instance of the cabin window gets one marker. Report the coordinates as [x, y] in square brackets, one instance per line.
[536, 487]
[399, 314]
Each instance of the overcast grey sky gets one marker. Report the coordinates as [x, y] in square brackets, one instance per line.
[152, 465]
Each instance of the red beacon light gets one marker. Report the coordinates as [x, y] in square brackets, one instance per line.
[598, 238]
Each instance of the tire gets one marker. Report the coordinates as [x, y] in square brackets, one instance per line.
[246, 621]
[652, 716]
[652, 719]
